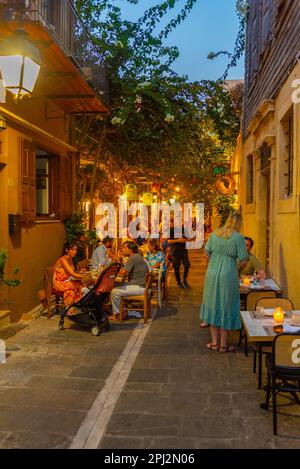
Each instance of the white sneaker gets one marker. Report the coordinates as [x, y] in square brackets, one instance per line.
[134, 314]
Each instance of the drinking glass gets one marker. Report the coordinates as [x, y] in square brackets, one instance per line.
[260, 309]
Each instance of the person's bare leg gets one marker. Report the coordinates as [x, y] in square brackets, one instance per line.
[224, 336]
[213, 345]
[224, 347]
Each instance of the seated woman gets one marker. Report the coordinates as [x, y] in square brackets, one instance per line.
[63, 270]
[155, 256]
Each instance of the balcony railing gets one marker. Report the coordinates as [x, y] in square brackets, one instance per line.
[62, 21]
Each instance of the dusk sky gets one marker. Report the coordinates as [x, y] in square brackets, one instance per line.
[211, 26]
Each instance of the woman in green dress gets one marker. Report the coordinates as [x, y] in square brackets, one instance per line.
[221, 297]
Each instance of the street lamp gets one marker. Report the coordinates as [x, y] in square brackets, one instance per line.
[20, 63]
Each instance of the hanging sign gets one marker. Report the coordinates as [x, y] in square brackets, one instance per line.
[220, 169]
[225, 185]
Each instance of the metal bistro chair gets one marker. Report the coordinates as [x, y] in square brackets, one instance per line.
[50, 291]
[145, 299]
[251, 300]
[265, 348]
[283, 367]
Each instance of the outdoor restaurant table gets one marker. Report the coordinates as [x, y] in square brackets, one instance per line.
[268, 284]
[260, 328]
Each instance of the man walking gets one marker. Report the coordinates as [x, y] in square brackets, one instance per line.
[179, 255]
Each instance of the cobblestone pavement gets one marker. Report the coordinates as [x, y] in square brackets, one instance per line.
[178, 393]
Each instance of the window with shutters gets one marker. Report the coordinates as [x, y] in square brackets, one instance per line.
[28, 181]
[287, 155]
[46, 184]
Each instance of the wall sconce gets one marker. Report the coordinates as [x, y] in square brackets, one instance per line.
[2, 123]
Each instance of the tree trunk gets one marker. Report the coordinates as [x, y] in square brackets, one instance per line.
[92, 188]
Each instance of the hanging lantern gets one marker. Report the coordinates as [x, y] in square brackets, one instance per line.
[2, 123]
[147, 198]
[20, 64]
[156, 187]
[131, 192]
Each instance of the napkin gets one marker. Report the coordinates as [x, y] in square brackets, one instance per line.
[288, 328]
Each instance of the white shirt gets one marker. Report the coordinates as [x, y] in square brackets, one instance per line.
[99, 257]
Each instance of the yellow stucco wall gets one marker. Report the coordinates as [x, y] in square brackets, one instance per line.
[39, 244]
[284, 213]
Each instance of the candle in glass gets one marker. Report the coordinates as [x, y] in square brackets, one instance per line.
[278, 315]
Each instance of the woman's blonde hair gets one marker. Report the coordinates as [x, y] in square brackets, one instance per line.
[233, 223]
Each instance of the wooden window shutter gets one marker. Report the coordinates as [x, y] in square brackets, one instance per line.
[266, 22]
[28, 181]
[65, 187]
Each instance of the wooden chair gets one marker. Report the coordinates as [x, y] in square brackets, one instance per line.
[265, 348]
[50, 291]
[269, 303]
[252, 298]
[283, 371]
[166, 284]
[83, 264]
[157, 286]
[145, 299]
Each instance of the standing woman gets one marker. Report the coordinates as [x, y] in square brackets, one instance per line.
[221, 297]
[63, 270]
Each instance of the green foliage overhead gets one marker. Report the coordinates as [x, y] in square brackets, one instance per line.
[75, 226]
[158, 121]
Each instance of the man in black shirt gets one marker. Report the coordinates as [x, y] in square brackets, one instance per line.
[179, 255]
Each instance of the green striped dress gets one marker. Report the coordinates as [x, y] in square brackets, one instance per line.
[221, 296]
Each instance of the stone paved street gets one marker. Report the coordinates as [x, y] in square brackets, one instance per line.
[178, 394]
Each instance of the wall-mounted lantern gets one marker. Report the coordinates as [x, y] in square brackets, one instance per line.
[2, 123]
[20, 63]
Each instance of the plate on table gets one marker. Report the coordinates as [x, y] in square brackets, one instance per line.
[295, 324]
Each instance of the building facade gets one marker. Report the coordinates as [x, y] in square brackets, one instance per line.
[269, 183]
[37, 160]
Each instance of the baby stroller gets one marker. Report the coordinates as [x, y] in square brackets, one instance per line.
[90, 310]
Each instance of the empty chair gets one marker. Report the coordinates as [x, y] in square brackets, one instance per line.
[269, 303]
[283, 371]
[157, 286]
[252, 298]
[83, 264]
[265, 347]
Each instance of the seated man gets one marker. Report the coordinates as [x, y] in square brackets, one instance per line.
[136, 269]
[100, 257]
[253, 265]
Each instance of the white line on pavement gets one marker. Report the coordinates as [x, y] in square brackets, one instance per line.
[94, 425]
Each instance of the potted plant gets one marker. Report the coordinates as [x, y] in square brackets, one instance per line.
[4, 281]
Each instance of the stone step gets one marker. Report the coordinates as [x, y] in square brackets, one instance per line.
[4, 318]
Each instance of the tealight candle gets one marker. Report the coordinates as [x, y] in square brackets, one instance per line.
[278, 315]
[247, 281]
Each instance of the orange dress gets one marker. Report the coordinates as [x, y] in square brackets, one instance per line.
[61, 282]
